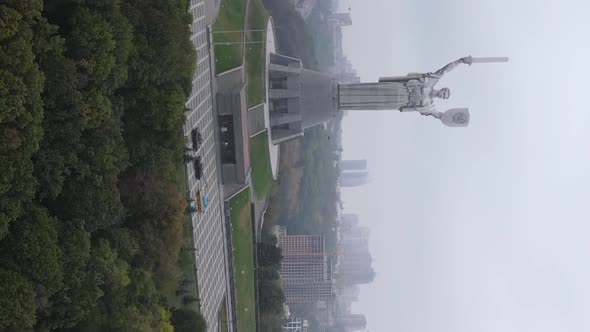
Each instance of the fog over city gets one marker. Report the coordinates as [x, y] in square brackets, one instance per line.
[480, 228]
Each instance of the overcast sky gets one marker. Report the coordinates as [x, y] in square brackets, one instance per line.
[484, 228]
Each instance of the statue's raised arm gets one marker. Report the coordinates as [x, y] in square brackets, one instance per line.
[466, 60]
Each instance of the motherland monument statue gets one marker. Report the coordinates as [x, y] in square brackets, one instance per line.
[414, 92]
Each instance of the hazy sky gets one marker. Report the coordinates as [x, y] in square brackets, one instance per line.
[484, 228]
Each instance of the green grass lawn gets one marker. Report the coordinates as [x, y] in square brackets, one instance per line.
[231, 17]
[243, 246]
[222, 314]
[260, 163]
[255, 54]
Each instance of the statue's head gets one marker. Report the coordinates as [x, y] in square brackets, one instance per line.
[444, 93]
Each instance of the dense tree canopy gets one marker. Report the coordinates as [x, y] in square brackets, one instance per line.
[268, 254]
[31, 248]
[81, 289]
[188, 321]
[21, 84]
[270, 292]
[92, 99]
[17, 301]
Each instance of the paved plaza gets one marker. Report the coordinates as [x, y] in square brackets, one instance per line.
[209, 233]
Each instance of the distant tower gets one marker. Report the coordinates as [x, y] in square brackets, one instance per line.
[354, 321]
[341, 19]
[349, 221]
[354, 178]
[353, 165]
[353, 173]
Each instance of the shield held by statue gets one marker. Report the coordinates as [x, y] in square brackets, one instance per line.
[455, 117]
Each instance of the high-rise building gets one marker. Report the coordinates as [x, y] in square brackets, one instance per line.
[341, 19]
[354, 261]
[307, 291]
[303, 258]
[306, 270]
[295, 325]
[348, 221]
[354, 165]
[354, 178]
[354, 321]
[349, 293]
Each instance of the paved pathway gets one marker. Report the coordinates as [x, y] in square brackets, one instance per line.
[209, 233]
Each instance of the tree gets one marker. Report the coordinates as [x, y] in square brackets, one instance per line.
[166, 56]
[268, 273]
[31, 248]
[92, 43]
[271, 297]
[63, 122]
[21, 84]
[270, 322]
[156, 215]
[81, 290]
[105, 261]
[94, 199]
[17, 301]
[185, 320]
[188, 299]
[268, 254]
[141, 289]
[124, 241]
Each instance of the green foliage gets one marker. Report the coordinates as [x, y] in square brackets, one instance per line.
[316, 213]
[156, 213]
[21, 84]
[63, 122]
[271, 296]
[268, 254]
[81, 289]
[95, 200]
[125, 241]
[31, 248]
[92, 44]
[141, 309]
[256, 54]
[323, 33]
[163, 53]
[260, 163]
[188, 321]
[17, 301]
[231, 17]
[91, 218]
[270, 293]
[268, 273]
[130, 302]
[270, 322]
[105, 261]
[152, 124]
[243, 259]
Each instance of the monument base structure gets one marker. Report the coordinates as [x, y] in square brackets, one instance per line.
[298, 98]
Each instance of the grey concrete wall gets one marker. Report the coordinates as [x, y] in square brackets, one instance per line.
[284, 118]
[229, 173]
[282, 135]
[283, 93]
[286, 69]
